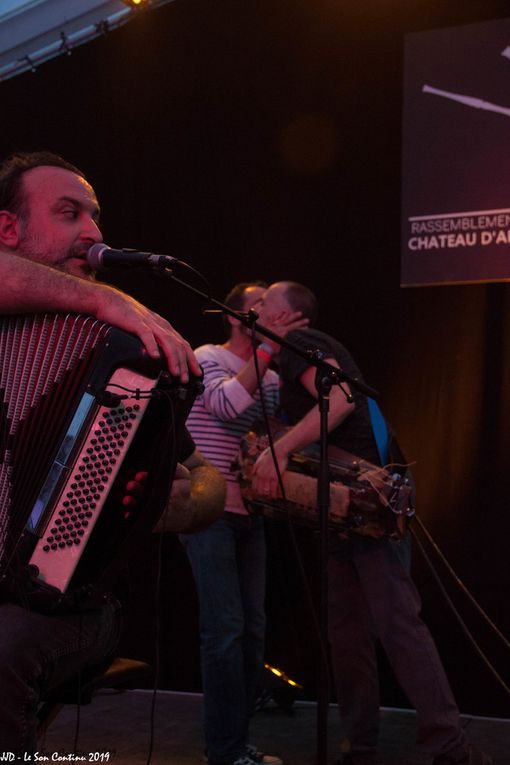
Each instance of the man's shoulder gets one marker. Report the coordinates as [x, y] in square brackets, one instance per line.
[309, 337]
[292, 365]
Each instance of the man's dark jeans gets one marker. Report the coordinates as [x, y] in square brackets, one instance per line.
[228, 561]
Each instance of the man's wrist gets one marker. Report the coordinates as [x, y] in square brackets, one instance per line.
[281, 449]
[265, 352]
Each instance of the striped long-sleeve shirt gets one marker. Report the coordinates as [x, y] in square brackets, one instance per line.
[225, 411]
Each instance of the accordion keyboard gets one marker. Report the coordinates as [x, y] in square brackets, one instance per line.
[88, 483]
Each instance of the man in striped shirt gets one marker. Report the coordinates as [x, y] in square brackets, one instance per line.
[228, 558]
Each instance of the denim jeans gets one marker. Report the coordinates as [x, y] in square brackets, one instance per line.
[371, 594]
[38, 653]
[228, 563]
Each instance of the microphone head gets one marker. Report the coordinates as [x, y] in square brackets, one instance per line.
[95, 256]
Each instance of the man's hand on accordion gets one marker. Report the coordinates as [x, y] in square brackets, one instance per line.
[29, 286]
[124, 312]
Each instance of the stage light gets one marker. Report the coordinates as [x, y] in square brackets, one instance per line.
[276, 685]
[136, 3]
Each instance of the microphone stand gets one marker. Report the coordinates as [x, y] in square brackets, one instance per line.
[323, 383]
[326, 376]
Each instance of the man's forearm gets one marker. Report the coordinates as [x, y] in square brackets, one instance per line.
[30, 287]
[307, 430]
[248, 377]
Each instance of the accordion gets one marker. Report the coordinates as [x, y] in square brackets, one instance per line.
[82, 405]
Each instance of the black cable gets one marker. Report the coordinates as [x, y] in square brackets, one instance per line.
[157, 596]
[136, 393]
[162, 271]
[461, 584]
[78, 691]
[198, 273]
[157, 652]
[454, 610]
[288, 513]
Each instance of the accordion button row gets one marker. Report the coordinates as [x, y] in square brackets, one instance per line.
[89, 482]
[103, 443]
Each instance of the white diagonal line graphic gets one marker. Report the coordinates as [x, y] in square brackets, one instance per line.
[474, 103]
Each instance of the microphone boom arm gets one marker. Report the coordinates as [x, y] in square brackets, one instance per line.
[249, 320]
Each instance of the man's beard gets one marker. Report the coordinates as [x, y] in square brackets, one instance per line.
[71, 261]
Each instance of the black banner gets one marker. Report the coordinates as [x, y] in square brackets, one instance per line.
[456, 155]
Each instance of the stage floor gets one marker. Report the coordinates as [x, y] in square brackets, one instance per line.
[119, 724]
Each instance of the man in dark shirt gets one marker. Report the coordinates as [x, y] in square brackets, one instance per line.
[48, 221]
[370, 589]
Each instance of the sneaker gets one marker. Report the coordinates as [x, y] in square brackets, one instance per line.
[260, 758]
[464, 755]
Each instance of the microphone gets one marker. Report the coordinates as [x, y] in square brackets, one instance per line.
[100, 257]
